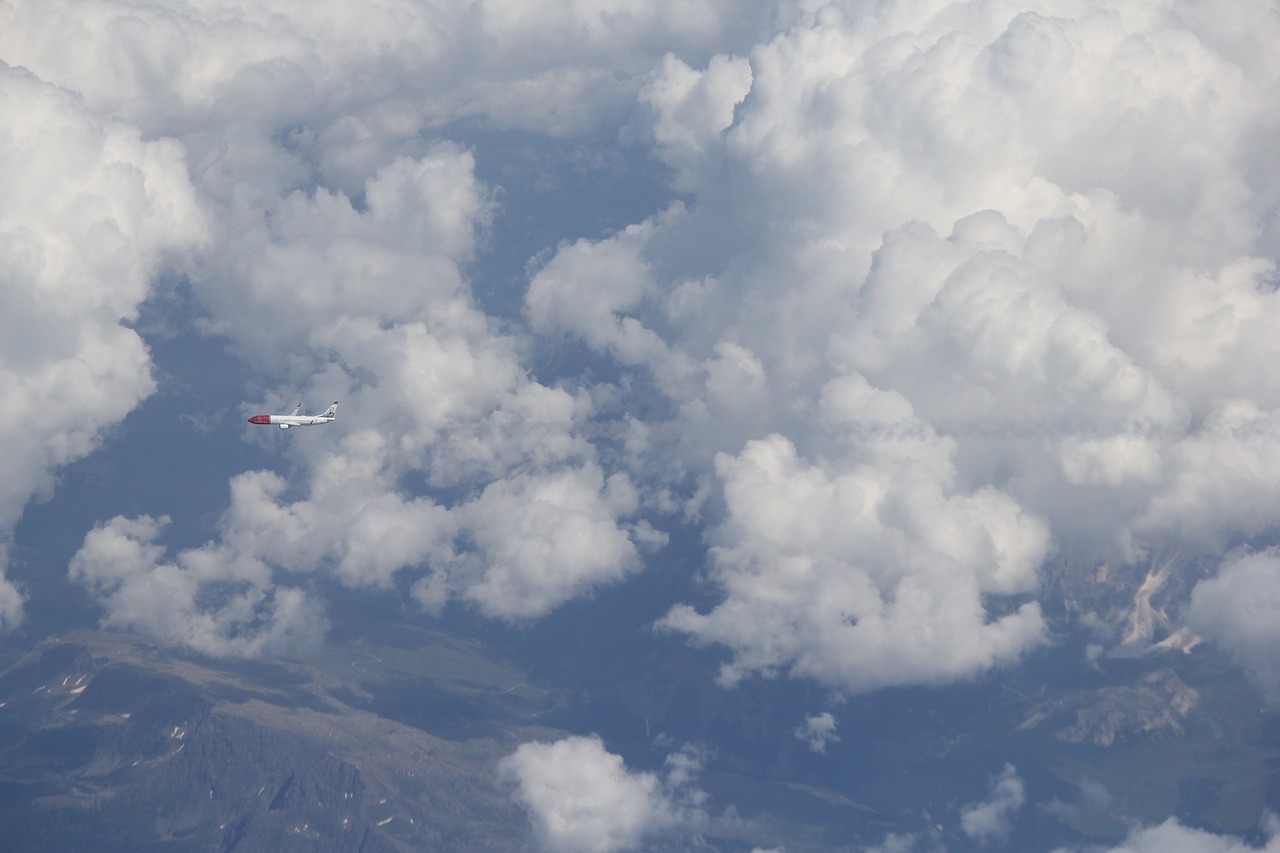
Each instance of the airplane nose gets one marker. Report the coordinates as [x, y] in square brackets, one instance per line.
[260, 419]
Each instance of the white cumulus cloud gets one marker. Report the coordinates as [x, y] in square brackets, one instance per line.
[818, 731]
[868, 575]
[953, 287]
[939, 291]
[990, 819]
[368, 303]
[204, 600]
[581, 798]
[1237, 610]
[90, 214]
[1172, 837]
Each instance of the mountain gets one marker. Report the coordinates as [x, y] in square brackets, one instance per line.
[108, 742]
[389, 739]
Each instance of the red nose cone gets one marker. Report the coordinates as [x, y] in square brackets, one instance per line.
[260, 419]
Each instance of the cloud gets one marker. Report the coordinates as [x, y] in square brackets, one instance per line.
[368, 304]
[895, 843]
[521, 548]
[996, 280]
[204, 600]
[940, 292]
[990, 819]
[692, 109]
[1237, 611]
[818, 731]
[316, 269]
[540, 541]
[868, 576]
[365, 299]
[581, 798]
[360, 84]
[924, 235]
[91, 213]
[1173, 837]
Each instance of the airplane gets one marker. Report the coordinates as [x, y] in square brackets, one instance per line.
[296, 418]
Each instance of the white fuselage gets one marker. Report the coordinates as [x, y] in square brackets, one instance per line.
[296, 419]
[286, 421]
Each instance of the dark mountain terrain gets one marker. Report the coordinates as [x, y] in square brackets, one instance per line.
[107, 742]
[390, 739]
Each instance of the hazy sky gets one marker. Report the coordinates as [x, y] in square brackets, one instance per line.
[894, 302]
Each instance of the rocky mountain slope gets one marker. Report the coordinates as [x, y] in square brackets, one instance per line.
[108, 744]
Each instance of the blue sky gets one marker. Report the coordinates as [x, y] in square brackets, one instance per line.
[888, 306]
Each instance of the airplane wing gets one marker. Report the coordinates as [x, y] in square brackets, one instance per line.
[296, 411]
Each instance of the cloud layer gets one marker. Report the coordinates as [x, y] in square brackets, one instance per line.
[941, 291]
[341, 225]
[91, 212]
[955, 287]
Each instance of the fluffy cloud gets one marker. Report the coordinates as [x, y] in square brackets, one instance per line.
[434, 390]
[341, 235]
[987, 822]
[316, 270]
[955, 286]
[951, 287]
[868, 576]
[581, 798]
[519, 549]
[205, 601]
[990, 819]
[359, 84]
[1173, 837]
[367, 302]
[542, 540]
[1237, 610]
[895, 843]
[818, 731]
[89, 214]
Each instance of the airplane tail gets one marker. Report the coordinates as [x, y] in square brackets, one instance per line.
[331, 412]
